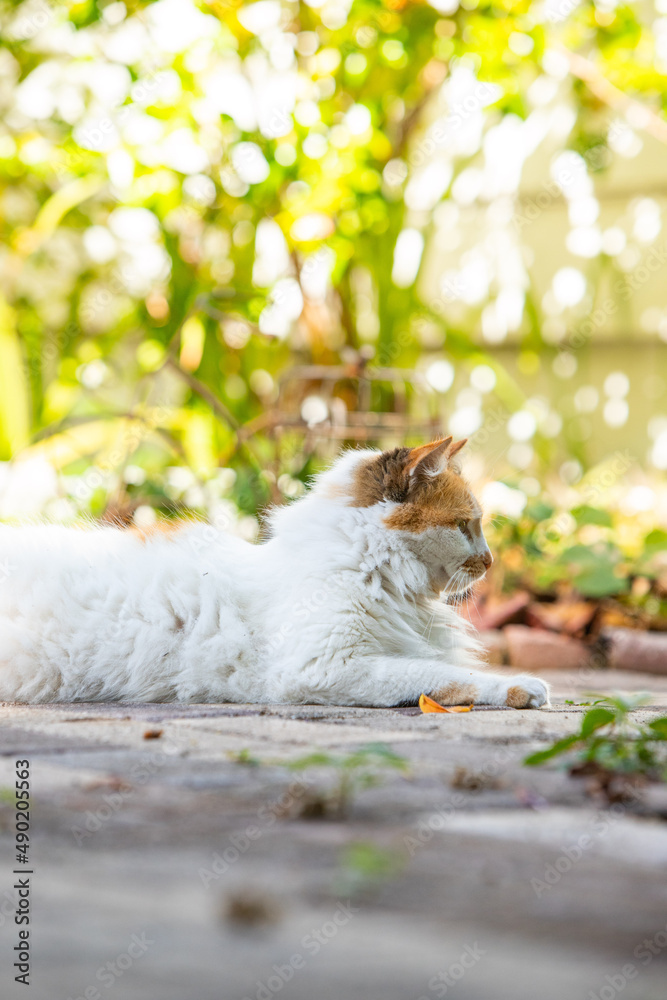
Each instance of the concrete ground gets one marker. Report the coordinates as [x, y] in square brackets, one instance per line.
[177, 856]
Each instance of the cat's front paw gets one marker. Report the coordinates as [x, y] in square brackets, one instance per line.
[524, 691]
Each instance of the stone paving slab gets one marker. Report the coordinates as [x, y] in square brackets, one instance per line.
[151, 837]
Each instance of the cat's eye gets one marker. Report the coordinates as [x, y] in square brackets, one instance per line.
[462, 525]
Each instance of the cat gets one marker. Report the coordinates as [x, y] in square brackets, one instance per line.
[344, 604]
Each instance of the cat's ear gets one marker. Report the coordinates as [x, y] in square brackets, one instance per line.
[429, 459]
[396, 475]
[434, 458]
[456, 447]
[455, 463]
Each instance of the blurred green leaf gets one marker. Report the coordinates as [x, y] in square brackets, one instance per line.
[559, 747]
[595, 719]
[600, 581]
[592, 515]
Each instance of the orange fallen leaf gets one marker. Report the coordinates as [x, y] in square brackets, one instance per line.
[428, 705]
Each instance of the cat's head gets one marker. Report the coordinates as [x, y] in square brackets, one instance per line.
[420, 492]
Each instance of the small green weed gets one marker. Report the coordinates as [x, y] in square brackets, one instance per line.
[610, 745]
[365, 867]
[364, 768]
[244, 757]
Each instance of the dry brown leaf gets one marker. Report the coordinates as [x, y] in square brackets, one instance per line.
[428, 705]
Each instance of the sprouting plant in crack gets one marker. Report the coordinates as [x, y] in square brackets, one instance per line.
[363, 768]
[244, 756]
[612, 748]
[365, 867]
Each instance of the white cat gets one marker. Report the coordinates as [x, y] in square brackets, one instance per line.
[343, 605]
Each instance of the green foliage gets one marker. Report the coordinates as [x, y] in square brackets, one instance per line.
[610, 740]
[139, 321]
[363, 768]
[244, 756]
[365, 866]
[585, 514]
[594, 551]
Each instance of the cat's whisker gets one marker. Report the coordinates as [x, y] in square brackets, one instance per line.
[452, 585]
[426, 633]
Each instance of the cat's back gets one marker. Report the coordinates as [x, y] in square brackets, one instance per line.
[38, 555]
[103, 612]
[68, 543]
[80, 563]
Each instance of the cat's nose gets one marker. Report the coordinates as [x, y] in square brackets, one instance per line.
[487, 558]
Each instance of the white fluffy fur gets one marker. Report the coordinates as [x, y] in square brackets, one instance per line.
[334, 609]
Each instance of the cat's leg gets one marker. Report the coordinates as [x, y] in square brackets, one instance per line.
[384, 681]
[462, 686]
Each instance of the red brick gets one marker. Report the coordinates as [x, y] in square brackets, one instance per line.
[629, 649]
[569, 617]
[496, 613]
[535, 649]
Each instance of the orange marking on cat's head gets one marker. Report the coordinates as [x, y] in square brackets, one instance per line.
[439, 504]
[426, 485]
